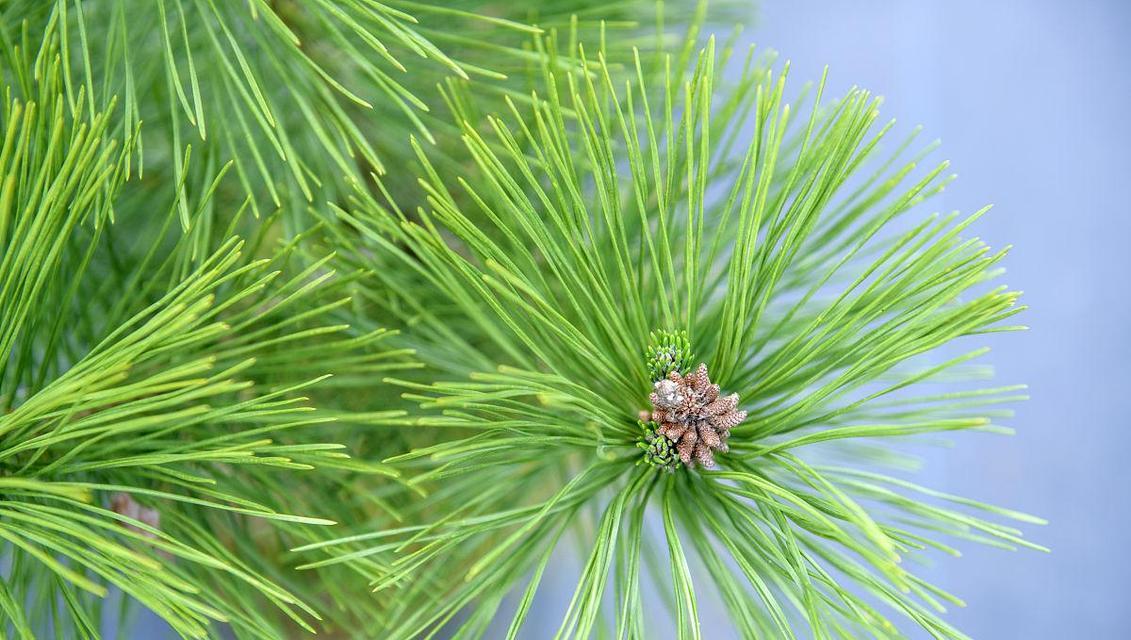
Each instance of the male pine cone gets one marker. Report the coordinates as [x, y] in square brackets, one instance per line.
[691, 413]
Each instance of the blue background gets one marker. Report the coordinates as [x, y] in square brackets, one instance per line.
[1031, 100]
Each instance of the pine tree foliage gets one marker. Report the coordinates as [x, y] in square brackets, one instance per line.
[786, 243]
[303, 301]
[175, 379]
[310, 96]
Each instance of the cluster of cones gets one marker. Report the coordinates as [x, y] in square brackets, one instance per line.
[690, 411]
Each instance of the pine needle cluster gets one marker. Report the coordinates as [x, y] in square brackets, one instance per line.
[350, 317]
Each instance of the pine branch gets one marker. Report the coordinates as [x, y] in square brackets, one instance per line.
[606, 210]
[309, 96]
[303, 300]
[139, 438]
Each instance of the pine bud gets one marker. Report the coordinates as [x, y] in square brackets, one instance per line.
[659, 452]
[668, 351]
[124, 504]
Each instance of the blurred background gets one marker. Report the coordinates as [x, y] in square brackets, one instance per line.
[1030, 99]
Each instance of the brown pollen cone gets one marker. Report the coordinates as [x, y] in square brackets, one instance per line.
[690, 413]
